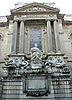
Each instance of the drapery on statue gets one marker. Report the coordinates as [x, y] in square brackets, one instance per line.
[35, 53]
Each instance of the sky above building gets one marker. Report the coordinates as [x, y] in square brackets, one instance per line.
[65, 6]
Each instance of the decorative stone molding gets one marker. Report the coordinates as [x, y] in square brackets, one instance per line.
[37, 93]
[52, 64]
[1, 36]
[36, 72]
[32, 89]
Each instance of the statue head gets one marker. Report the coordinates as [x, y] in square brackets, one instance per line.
[36, 45]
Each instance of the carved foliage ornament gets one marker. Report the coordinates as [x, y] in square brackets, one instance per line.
[18, 66]
[15, 66]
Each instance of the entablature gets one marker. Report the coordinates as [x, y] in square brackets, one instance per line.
[35, 16]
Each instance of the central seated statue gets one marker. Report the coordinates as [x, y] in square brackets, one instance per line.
[36, 57]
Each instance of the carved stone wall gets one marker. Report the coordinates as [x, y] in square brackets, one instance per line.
[5, 42]
[38, 72]
[67, 41]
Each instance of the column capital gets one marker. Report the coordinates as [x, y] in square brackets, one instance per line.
[51, 20]
[15, 21]
[22, 20]
[18, 21]
[55, 20]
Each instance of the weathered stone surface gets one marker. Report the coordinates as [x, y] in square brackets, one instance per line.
[36, 75]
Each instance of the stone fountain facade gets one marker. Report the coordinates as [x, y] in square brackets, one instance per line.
[36, 68]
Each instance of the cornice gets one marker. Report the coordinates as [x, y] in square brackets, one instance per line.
[28, 13]
[67, 22]
[60, 16]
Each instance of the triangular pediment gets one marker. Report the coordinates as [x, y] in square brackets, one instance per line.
[35, 7]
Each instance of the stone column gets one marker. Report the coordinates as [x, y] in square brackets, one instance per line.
[21, 38]
[49, 36]
[56, 36]
[14, 40]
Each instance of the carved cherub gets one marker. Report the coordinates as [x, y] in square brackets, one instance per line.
[23, 63]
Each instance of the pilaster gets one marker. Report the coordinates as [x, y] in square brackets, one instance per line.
[21, 38]
[14, 40]
[49, 36]
[56, 36]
